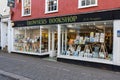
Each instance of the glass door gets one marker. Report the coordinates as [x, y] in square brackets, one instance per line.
[48, 40]
[44, 40]
[53, 41]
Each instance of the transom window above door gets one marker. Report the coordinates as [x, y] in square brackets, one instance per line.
[87, 3]
[26, 7]
[51, 6]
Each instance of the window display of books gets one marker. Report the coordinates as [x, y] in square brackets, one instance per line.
[18, 42]
[94, 37]
[26, 44]
[91, 47]
[89, 51]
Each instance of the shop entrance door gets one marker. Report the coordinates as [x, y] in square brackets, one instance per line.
[48, 40]
[53, 41]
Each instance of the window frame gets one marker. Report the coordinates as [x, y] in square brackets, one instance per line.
[87, 6]
[23, 8]
[46, 8]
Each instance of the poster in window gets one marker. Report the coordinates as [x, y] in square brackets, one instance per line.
[97, 37]
[118, 33]
[102, 36]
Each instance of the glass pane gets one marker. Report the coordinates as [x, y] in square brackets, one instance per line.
[26, 7]
[19, 36]
[55, 5]
[87, 2]
[49, 8]
[91, 40]
[33, 40]
[109, 40]
[93, 1]
[44, 40]
[52, 5]
[83, 3]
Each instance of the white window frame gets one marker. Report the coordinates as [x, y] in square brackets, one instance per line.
[46, 8]
[86, 6]
[23, 9]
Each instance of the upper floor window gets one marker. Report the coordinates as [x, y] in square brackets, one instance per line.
[87, 3]
[26, 7]
[51, 6]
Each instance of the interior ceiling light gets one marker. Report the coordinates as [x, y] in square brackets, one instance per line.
[70, 26]
[100, 26]
[71, 30]
[93, 23]
[104, 23]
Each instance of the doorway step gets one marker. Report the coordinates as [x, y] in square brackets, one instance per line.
[5, 49]
[54, 59]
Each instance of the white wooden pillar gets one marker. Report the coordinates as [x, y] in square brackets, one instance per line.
[49, 39]
[12, 39]
[53, 40]
[10, 36]
[40, 38]
[65, 39]
[116, 42]
[59, 39]
[62, 40]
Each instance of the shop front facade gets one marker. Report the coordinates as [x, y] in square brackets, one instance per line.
[91, 37]
[89, 31]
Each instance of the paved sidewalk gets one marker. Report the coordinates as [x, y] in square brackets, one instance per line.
[10, 76]
[36, 68]
[3, 77]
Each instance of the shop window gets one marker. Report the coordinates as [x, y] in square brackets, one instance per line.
[87, 3]
[44, 40]
[26, 7]
[33, 40]
[19, 36]
[88, 40]
[51, 6]
[27, 39]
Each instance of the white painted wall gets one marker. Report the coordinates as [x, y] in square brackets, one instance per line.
[116, 43]
[4, 34]
[4, 10]
[10, 37]
[59, 40]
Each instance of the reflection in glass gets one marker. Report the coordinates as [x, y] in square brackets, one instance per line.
[52, 5]
[87, 2]
[88, 40]
[33, 40]
[92, 1]
[27, 39]
[83, 3]
[26, 7]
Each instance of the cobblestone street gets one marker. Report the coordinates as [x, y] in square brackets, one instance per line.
[36, 68]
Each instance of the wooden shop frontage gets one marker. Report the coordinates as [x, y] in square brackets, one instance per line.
[89, 38]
